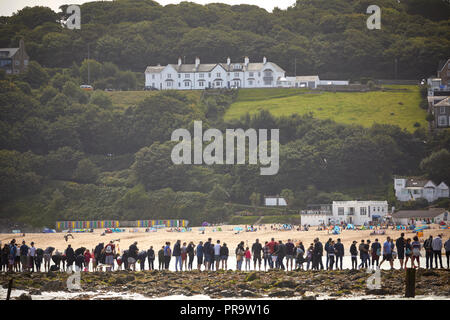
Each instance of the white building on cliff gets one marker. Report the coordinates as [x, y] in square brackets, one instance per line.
[245, 74]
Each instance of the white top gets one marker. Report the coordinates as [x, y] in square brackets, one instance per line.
[217, 249]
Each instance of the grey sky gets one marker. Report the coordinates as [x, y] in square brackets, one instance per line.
[8, 7]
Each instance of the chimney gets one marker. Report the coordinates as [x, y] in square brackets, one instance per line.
[21, 44]
[264, 60]
[197, 62]
[246, 61]
[228, 61]
[179, 61]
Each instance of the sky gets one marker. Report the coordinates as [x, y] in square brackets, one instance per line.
[8, 7]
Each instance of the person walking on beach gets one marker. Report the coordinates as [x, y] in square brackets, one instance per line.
[207, 254]
[177, 254]
[376, 252]
[256, 251]
[339, 248]
[161, 258]
[400, 243]
[415, 252]
[240, 252]
[224, 252]
[190, 250]
[70, 254]
[362, 255]
[281, 254]
[167, 255]
[39, 258]
[132, 256]
[309, 256]
[217, 247]
[447, 252]
[289, 254]
[387, 253]
[368, 252]
[331, 254]
[354, 255]
[437, 248]
[266, 255]
[5, 255]
[24, 256]
[199, 254]
[151, 258]
[408, 252]
[428, 246]
[184, 256]
[12, 255]
[327, 261]
[318, 253]
[248, 258]
[87, 259]
[31, 256]
[272, 244]
[299, 251]
[110, 252]
[142, 257]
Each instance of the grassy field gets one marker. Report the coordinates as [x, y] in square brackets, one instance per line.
[124, 99]
[399, 107]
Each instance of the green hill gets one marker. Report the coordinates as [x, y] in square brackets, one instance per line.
[400, 107]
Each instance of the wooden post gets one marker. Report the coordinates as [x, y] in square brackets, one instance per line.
[410, 288]
[8, 295]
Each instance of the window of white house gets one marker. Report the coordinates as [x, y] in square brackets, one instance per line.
[218, 75]
[179, 76]
[415, 191]
[169, 76]
[363, 211]
[250, 82]
[442, 110]
[153, 84]
[259, 74]
[250, 74]
[187, 75]
[153, 76]
[201, 83]
[341, 211]
[201, 75]
[209, 75]
[236, 74]
[218, 83]
[186, 83]
[228, 74]
[169, 83]
[442, 120]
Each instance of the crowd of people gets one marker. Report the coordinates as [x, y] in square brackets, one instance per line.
[214, 256]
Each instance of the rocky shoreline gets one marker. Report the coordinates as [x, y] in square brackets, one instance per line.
[232, 284]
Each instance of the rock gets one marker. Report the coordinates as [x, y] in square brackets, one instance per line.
[130, 278]
[52, 286]
[382, 291]
[252, 276]
[282, 293]
[244, 286]
[430, 273]
[286, 284]
[247, 293]
[24, 296]
[227, 293]
[309, 298]
[35, 292]
[51, 274]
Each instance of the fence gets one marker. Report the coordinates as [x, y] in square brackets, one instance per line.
[100, 224]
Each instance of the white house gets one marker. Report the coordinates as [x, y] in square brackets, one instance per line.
[354, 212]
[310, 82]
[200, 76]
[415, 188]
[275, 201]
[406, 217]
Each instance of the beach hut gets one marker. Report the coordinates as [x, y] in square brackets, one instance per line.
[350, 226]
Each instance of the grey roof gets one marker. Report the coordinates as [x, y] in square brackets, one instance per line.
[430, 213]
[207, 67]
[154, 69]
[11, 51]
[443, 103]
[415, 182]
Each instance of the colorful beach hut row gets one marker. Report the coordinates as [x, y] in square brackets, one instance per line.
[100, 224]
[167, 223]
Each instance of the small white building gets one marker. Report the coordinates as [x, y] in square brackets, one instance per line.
[344, 212]
[407, 189]
[310, 82]
[432, 215]
[274, 201]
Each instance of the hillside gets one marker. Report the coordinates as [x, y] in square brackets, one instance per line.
[399, 108]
